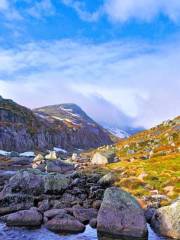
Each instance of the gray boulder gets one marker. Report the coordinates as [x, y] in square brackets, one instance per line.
[29, 218]
[101, 158]
[84, 215]
[65, 224]
[106, 180]
[166, 220]
[120, 215]
[15, 202]
[14, 154]
[54, 212]
[59, 166]
[35, 182]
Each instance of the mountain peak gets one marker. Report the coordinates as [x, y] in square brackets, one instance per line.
[65, 112]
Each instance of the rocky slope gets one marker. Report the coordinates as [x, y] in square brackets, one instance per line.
[149, 163]
[22, 129]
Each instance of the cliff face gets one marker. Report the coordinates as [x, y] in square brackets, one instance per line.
[22, 129]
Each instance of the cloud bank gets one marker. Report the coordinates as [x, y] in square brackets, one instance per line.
[117, 81]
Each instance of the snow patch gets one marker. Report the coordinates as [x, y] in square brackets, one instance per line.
[118, 132]
[27, 154]
[4, 153]
[57, 149]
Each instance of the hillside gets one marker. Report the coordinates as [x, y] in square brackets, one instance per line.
[22, 129]
[149, 165]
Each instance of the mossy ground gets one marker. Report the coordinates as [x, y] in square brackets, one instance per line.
[159, 173]
[142, 177]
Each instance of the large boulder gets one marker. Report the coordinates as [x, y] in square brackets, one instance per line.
[120, 215]
[29, 218]
[101, 158]
[59, 166]
[35, 182]
[15, 202]
[166, 220]
[65, 224]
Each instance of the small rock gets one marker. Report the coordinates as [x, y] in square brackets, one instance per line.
[148, 213]
[97, 204]
[84, 215]
[54, 212]
[44, 205]
[51, 156]
[74, 156]
[93, 223]
[107, 180]
[38, 158]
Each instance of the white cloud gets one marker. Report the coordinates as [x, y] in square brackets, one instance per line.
[41, 9]
[124, 10]
[3, 5]
[140, 80]
[8, 10]
[82, 11]
[142, 9]
[36, 9]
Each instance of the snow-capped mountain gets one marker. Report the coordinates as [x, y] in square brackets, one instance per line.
[118, 132]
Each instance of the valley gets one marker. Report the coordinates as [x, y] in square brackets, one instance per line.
[61, 173]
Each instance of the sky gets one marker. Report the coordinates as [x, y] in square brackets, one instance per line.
[118, 59]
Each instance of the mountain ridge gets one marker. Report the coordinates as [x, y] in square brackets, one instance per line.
[22, 129]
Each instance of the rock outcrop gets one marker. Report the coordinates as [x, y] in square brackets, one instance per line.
[120, 215]
[166, 220]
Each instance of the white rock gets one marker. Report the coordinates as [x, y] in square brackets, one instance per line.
[51, 156]
[39, 157]
[74, 156]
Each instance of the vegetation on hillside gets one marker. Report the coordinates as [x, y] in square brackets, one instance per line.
[149, 163]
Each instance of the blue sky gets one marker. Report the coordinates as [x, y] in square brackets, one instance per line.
[118, 59]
